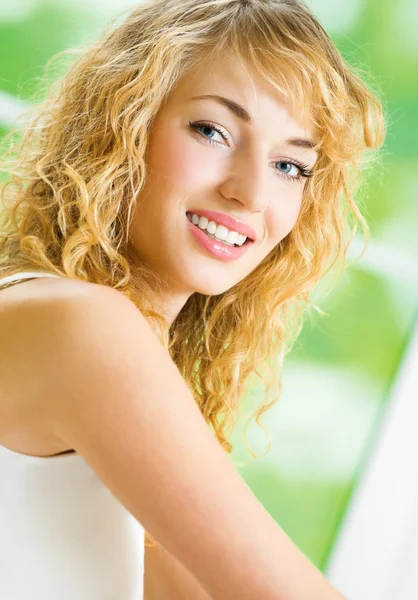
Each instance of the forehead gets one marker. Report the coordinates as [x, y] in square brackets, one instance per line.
[231, 77]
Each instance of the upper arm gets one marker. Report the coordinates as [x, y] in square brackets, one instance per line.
[112, 392]
[166, 577]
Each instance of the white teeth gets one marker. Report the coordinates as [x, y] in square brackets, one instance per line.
[219, 232]
[232, 237]
[211, 227]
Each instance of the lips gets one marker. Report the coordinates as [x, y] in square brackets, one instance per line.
[217, 249]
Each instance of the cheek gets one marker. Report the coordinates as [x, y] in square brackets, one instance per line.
[283, 217]
[176, 159]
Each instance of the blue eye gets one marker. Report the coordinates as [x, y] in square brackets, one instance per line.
[206, 127]
[300, 172]
[286, 166]
[209, 126]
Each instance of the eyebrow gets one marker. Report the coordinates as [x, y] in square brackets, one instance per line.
[240, 112]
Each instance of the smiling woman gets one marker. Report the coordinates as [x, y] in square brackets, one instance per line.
[184, 188]
[221, 151]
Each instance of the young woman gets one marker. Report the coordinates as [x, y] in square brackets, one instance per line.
[170, 208]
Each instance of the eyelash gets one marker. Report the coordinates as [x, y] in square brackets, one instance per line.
[304, 171]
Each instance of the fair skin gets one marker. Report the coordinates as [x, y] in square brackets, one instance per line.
[101, 383]
[81, 366]
[246, 176]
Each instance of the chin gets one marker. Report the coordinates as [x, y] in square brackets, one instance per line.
[209, 281]
[212, 289]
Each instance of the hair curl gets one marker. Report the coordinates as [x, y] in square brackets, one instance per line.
[80, 167]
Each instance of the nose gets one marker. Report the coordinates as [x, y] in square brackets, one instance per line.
[247, 180]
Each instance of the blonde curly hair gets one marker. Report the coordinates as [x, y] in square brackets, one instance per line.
[79, 167]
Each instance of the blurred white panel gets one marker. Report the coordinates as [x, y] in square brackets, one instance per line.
[400, 229]
[10, 108]
[405, 27]
[386, 259]
[323, 410]
[405, 584]
[376, 552]
[337, 15]
[110, 7]
[16, 10]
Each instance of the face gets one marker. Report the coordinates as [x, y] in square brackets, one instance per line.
[250, 171]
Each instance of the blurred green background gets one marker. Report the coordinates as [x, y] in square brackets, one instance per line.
[338, 377]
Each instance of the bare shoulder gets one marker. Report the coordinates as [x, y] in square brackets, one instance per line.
[106, 386]
[35, 303]
[37, 319]
[41, 320]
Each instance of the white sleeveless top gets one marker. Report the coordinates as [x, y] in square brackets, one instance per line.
[63, 535]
